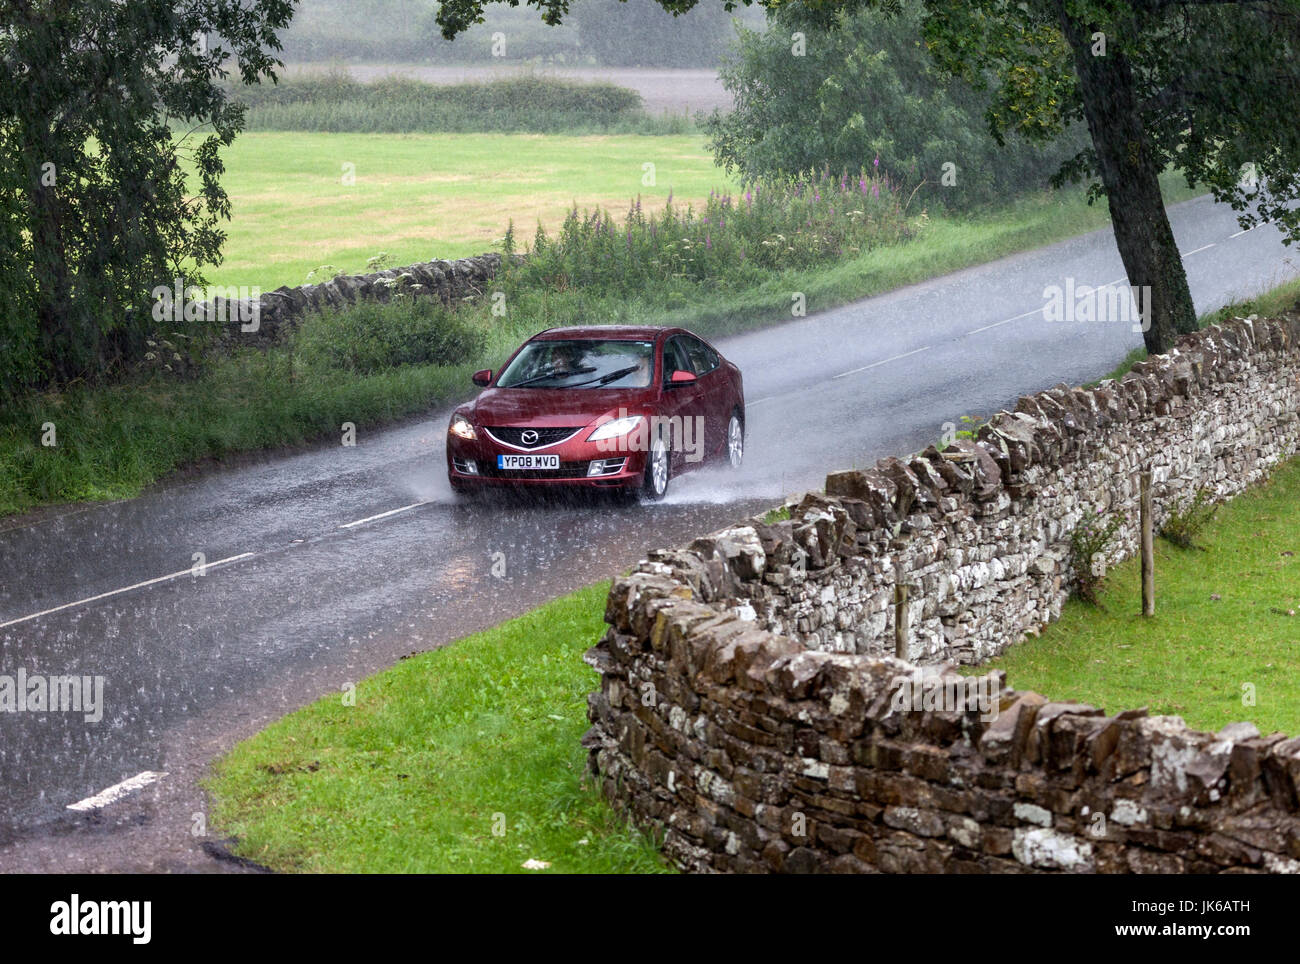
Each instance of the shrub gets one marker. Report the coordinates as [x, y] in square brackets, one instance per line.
[371, 336]
[1188, 518]
[735, 242]
[1089, 541]
[971, 430]
[779, 514]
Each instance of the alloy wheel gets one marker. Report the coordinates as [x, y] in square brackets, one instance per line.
[735, 442]
[656, 471]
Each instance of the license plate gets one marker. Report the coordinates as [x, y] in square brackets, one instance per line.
[528, 462]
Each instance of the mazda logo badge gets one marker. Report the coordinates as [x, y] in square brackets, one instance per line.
[529, 437]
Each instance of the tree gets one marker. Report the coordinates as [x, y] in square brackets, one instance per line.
[1208, 86]
[867, 93]
[96, 205]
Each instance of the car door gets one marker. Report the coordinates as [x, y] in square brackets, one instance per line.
[714, 399]
[684, 406]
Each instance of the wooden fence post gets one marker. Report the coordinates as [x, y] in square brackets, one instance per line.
[901, 616]
[1148, 547]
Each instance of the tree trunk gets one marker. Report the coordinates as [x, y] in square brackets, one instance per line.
[53, 282]
[1130, 174]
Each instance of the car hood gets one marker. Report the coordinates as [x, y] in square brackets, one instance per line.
[553, 407]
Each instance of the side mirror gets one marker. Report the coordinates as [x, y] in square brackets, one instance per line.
[682, 377]
[483, 378]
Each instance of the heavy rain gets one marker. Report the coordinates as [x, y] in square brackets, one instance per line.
[264, 490]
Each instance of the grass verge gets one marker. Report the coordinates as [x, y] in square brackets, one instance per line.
[465, 759]
[1285, 297]
[1227, 625]
[113, 441]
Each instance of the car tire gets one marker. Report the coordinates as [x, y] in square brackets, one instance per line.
[735, 440]
[658, 471]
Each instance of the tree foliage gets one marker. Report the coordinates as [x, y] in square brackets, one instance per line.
[99, 201]
[1207, 86]
[865, 92]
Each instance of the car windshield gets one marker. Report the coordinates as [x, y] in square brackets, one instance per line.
[586, 363]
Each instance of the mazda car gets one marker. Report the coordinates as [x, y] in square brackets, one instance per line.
[607, 407]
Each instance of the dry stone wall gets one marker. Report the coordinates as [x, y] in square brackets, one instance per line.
[980, 533]
[278, 311]
[750, 702]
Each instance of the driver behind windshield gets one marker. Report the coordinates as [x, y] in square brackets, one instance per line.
[566, 359]
[581, 364]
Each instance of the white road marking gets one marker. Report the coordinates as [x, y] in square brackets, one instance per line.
[117, 791]
[1006, 321]
[886, 361]
[384, 515]
[1204, 247]
[183, 572]
[1038, 311]
[117, 592]
[1248, 230]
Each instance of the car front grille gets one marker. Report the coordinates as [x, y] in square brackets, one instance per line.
[514, 435]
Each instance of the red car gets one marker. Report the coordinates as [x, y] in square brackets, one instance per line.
[616, 407]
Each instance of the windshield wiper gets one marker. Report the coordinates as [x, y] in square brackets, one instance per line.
[606, 379]
[552, 374]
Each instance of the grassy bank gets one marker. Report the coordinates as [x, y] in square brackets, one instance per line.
[114, 441]
[1227, 618]
[302, 200]
[465, 759]
[1285, 297]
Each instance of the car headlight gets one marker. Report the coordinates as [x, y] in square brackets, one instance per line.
[614, 428]
[462, 427]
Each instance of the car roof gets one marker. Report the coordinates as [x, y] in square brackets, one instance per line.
[609, 332]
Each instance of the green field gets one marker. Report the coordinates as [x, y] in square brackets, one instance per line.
[425, 196]
[1226, 617]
